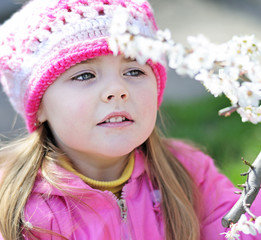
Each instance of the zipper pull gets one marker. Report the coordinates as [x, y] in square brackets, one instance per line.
[123, 207]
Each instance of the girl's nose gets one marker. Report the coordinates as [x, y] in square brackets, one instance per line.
[116, 91]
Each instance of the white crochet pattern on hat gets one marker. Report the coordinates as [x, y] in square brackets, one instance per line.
[42, 28]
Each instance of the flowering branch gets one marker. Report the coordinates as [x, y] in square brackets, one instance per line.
[252, 227]
[248, 195]
[232, 69]
[235, 218]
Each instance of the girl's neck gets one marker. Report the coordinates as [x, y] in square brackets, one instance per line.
[100, 168]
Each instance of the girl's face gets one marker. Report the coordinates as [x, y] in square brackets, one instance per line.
[102, 108]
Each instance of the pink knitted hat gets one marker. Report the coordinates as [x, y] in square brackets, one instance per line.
[46, 37]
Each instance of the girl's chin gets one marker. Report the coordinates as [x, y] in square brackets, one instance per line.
[117, 154]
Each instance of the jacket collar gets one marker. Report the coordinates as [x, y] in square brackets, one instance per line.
[74, 184]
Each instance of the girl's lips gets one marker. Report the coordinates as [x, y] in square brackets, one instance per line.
[116, 124]
[116, 118]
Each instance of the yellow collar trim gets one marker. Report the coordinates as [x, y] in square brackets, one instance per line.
[113, 186]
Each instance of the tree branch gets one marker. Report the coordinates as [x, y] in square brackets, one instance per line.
[227, 111]
[249, 193]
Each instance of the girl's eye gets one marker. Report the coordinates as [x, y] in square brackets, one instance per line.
[134, 73]
[84, 76]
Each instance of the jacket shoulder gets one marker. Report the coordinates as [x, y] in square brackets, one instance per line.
[196, 162]
[216, 190]
[46, 217]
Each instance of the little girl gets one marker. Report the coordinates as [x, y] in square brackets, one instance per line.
[94, 165]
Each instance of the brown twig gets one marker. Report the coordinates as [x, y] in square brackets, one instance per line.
[227, 111]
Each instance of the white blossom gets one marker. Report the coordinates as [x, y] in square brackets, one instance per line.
[242, 62]
[258, 224]
[232, 234]
[199, 59]
[113, 45]
[198, 41]
[155, 47]
[230, 85]
[176, 55]
[254, 73]
[221, 52]
[133, 29]
[164, 35]
[250, 114]
[246, 226]
[144, 49]
[247, 45]
[124, 42]
[202, 55]
[183, 69]
[211, 81]
[249, 94]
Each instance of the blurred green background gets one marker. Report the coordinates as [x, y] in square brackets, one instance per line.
[226, 139]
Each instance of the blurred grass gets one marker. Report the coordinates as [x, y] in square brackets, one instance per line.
[226, 140]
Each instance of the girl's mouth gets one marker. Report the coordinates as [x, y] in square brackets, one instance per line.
[116, 119]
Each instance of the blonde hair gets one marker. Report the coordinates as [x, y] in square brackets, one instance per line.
[22, 159]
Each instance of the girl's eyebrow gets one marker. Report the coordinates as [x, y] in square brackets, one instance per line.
[95, 60]
[128, 60]
[90, 60]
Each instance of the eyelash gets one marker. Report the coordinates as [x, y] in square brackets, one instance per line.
[88, 75]
[137, 73]
[84, 77]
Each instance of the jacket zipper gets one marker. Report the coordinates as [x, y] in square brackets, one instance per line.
[126, 232]
[124, 210]
[125, 227]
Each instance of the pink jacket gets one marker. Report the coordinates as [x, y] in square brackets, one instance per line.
[95, 215]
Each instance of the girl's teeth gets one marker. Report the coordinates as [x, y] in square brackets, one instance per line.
[119, 119]
[115, 119]
[112, 120]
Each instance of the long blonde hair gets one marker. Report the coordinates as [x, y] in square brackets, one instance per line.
[22, 159]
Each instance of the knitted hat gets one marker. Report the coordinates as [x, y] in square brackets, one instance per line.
[46, 37]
